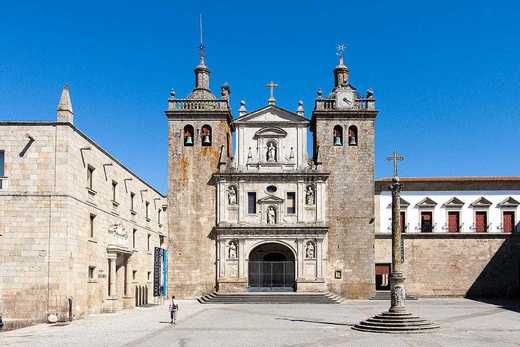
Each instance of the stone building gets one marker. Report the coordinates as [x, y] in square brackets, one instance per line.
[78, 228]
[458, 235]
[269, 217]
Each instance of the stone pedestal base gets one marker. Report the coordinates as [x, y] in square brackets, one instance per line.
[111, 305]
[234, 285]
[310, 286]
[396, 323]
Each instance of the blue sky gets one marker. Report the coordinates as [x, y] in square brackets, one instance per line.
[445, 74]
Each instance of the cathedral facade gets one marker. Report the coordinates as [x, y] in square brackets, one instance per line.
[267, 217]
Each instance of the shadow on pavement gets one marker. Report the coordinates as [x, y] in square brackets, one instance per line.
[315, 321]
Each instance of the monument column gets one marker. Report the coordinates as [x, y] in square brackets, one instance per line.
[397, 319]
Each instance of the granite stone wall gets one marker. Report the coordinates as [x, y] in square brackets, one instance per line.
[462, 265]
[350, 203]
[191, 199]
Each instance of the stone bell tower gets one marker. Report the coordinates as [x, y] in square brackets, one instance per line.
[199, 132]
[343, 126]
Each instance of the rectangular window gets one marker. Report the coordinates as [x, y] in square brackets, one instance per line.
[134, 274]
[508, 221]
[91, 225]
[91, 270]
[149, 275]
[251, 202]
[90, 177]
[426, 222]
[148, 242]
[159, 216]
[481, 221]
[132, 198]
[114, 191]
[2, 164]
[134, 232]
[161, 240]
[291, 202]
[403, 222]
[147, 208]
[453, 221]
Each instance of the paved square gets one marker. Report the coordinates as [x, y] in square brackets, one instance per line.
[463, 323]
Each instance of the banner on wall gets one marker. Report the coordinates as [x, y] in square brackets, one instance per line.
[160, 271]
[157, 264]
[164, 285]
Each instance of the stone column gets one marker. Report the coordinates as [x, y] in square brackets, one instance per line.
[241, 258]
[112, 275]
[396, 278]
[319, 259]
[299, 258]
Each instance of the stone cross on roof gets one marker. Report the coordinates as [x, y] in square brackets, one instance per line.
[395, 157]
[271, 85]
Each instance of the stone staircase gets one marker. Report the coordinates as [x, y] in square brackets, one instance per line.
[385, 295]
[271, 298]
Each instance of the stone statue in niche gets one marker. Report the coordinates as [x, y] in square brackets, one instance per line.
[291, 154]
[249, 154]
[271, 215]
[232, 195]
[233, 248]
[310, 196]
[310, 251]
[271, 152]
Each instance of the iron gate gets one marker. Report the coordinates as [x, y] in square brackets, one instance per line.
[271, 275]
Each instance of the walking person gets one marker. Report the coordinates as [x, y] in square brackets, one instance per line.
[174, 307]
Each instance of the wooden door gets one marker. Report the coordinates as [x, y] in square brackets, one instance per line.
[508, 221]
[453, 221]
[480, 221]
[426, 222]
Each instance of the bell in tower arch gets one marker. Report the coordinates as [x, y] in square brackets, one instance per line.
[337, 141]
[189, 140]
[206, 135]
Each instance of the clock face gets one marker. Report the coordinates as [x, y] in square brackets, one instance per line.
[345, 100]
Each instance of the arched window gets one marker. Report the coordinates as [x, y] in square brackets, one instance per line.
[352, 136]
[337, 136]
[188, 135]
[206, 135]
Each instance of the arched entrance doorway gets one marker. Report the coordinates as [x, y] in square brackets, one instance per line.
[271, 268]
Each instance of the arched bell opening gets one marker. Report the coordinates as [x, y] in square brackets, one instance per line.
[188, 135]
[337, 136]
[205, 134]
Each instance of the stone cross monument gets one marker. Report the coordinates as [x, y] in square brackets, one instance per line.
[397, 319]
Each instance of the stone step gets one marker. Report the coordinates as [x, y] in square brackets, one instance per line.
[269, 298]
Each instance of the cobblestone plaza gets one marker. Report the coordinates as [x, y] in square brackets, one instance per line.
[463, 323]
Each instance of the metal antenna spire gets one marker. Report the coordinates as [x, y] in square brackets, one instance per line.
[201, 47]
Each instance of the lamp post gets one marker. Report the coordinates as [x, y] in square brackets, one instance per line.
[397, 319]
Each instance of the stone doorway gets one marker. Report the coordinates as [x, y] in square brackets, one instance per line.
[271, 267]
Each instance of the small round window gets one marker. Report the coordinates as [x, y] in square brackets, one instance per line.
[271, 189]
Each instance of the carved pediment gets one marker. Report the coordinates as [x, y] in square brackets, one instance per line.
[481, 202]
[453, 202]
[509, 202]
[271, 114]
[270, 199]
[426, 203]
[270, 132]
